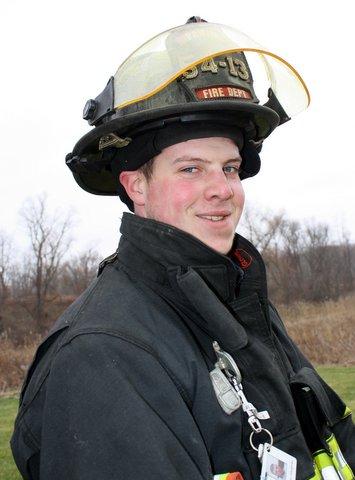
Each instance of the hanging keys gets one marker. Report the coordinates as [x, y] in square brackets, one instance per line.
[227, 369]
[275, 463]
[227, 397]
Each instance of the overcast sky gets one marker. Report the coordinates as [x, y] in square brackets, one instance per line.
[57, 54]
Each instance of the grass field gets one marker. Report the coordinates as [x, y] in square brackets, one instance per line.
[342, 379]
[8, 408]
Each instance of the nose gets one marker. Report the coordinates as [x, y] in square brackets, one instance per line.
[218, 186]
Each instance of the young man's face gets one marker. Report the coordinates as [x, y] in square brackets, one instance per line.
[195, 186]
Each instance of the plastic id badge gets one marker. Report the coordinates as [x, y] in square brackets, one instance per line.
[277, 465]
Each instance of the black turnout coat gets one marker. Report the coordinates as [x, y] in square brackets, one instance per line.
[120, 388]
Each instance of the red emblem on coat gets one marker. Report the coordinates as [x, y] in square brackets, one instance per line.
[243, 258]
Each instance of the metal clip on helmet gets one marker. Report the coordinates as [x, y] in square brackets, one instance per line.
[193, 81]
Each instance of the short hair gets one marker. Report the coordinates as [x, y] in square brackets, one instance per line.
[147, 169]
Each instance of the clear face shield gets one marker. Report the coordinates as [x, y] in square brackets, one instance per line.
[190, 48]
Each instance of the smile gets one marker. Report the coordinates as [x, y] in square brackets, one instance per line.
[213, 218]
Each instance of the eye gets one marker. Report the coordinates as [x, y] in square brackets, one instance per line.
[189, 169]
[231, 169]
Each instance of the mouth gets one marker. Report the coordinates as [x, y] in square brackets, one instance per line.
[214, 218]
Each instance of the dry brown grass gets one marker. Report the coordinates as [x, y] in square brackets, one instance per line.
[20, 338]
[14, 362]
[325, 332]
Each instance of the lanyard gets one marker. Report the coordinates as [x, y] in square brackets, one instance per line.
[227, 383]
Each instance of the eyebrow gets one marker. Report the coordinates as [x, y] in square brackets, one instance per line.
[203, 160]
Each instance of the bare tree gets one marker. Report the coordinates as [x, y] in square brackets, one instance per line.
[303, 261]
[5, 266]
[48, 234]
[348, 261]
[317, 253]
[262, 228]
[77, 273]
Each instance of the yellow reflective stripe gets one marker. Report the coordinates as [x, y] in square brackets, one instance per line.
[339, 461]
[317, 475]
[347, 412]
[323, 460]
[326, 467]
[221, 476]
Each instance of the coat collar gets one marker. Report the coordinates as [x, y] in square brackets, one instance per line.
[157, 251]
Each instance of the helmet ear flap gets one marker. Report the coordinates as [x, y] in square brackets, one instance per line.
[250, 160]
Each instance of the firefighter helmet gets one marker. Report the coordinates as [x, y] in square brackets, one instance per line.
[196, 80]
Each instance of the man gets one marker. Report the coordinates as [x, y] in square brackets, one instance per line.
[174, 364]
[200, 181]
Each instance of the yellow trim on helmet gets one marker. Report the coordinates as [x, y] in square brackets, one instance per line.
[191, 65]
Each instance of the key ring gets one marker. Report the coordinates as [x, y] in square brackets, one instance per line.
[262, 430]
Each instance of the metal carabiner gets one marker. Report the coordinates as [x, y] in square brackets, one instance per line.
[255, 424]
[225, 362]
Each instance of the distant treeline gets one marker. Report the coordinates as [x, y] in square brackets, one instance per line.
[304, 263]
[35, 286]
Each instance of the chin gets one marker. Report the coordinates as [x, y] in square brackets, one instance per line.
[221, 241]
[222, 247]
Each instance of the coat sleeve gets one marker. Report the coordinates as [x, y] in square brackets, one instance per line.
[301, 372]
[113, 411]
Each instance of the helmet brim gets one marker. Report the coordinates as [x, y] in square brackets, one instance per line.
[103, 182]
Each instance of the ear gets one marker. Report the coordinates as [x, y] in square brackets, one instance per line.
[133, 183]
